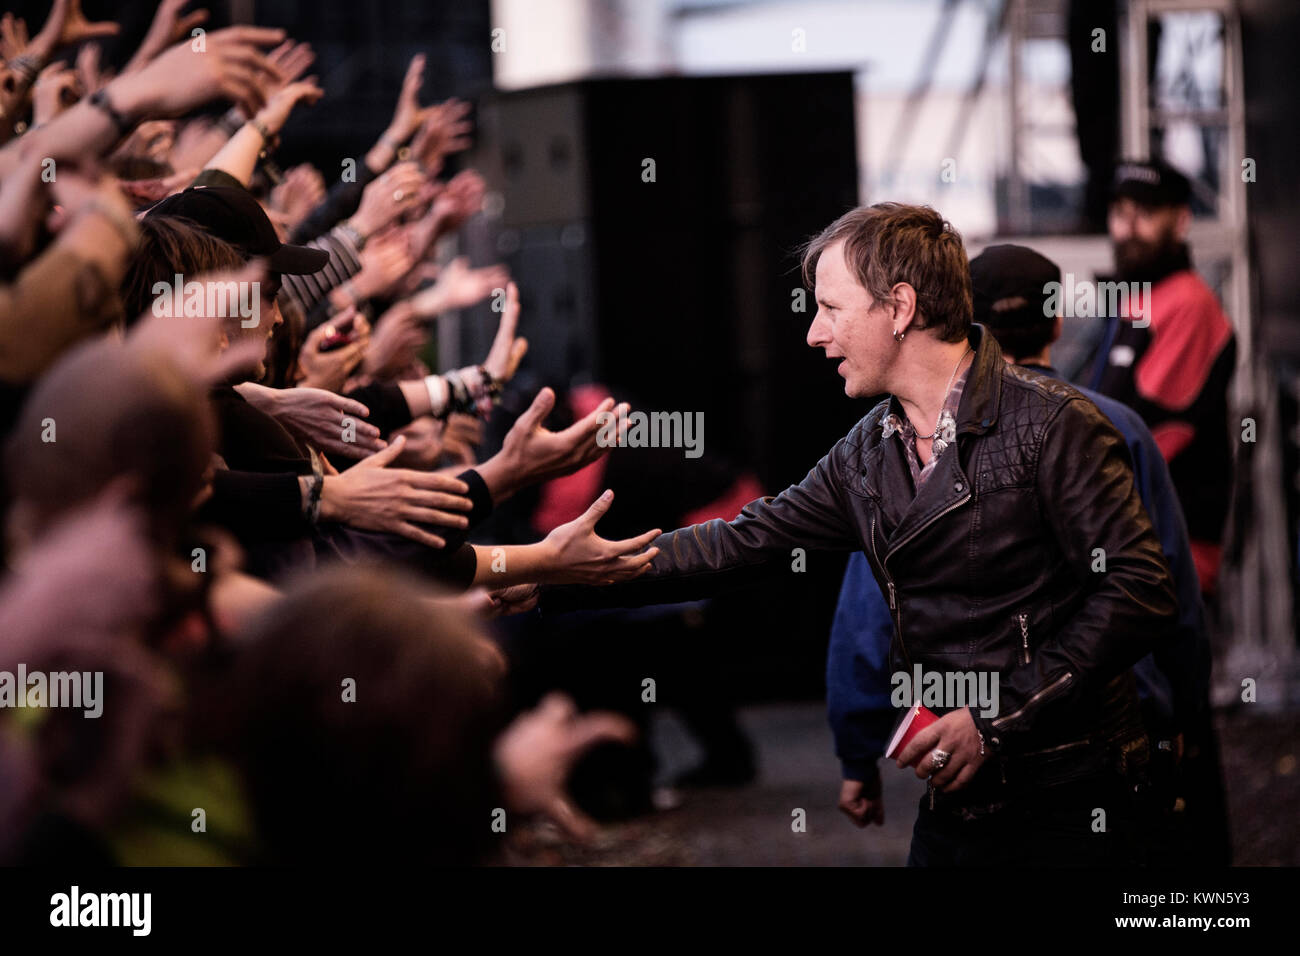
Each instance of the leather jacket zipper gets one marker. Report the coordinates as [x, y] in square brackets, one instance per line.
[917, 530]
[1050, 688]
[1024, 634]
[893, 596]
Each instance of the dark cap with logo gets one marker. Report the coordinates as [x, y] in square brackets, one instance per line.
[232, 214]
[1151, 183]
[1009, 285]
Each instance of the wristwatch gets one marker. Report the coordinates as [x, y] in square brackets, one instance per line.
[99, 100]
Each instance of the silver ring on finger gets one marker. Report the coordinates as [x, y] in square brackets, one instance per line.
[938, 760]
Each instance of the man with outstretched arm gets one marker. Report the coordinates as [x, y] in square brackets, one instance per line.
[982, 496]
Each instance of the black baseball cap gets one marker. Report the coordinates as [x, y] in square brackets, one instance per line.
[1009, 287]
[1150, 183]
[232, 214]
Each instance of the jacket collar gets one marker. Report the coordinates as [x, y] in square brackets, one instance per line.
[982, 393]
[1048, 370]
[982, 396]
[905, 511]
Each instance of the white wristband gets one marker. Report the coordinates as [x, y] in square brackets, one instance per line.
[439, 393]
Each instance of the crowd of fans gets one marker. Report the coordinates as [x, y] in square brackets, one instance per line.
[233, 489]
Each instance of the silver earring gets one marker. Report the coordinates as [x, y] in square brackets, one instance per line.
[898, 336]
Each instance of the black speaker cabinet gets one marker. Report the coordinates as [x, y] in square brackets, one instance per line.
[653, 226]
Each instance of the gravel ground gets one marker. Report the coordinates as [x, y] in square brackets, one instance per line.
[1261, 765]
[751, 826]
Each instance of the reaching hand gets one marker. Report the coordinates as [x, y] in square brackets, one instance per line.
[281, 103]
[67, 25]
[459, 287]
[385, 260]
[531, 453]
[292, 60]
[229, 65]
[462, 436]
[445, 130]
[514, 600]
[408, 115]
[399, 335]
[580, 556]
[460, 199]
[13, 36]
[319, 418]
[91, 75]
[507, 351]
[330, 370]
[75, 191]
[56, 88]
[301, 191]
[423, 443]
[374, 496]
[389, 197]
[145, 191]
[152, 139]
[536, 753]
[168, 27]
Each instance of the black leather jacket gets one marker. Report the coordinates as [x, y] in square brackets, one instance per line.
[989, 567]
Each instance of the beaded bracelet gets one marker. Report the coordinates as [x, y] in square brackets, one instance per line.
[474, 391]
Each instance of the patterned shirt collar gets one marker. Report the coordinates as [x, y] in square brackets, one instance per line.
[945, 434]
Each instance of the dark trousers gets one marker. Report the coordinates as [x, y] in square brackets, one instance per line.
[1048, 827]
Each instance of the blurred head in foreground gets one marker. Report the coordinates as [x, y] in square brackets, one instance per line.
[362, 717]
[107, 412]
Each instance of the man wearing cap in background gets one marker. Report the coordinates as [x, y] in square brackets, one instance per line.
[1011, 286]
[1173, 365]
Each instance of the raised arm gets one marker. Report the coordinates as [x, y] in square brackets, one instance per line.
[182, 78]
[238, 158]
[705, 558]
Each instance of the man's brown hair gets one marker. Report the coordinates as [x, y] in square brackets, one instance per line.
[170, 245]
[893, 242]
